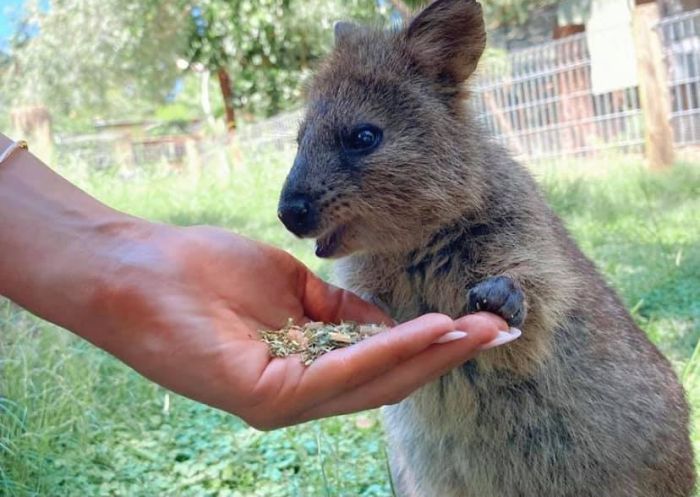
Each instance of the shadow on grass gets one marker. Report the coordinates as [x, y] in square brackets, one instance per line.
[642, 231]
[667, 299]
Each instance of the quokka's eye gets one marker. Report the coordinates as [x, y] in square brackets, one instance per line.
[362, 139]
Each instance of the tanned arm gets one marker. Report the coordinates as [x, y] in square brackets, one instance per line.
[183, 306]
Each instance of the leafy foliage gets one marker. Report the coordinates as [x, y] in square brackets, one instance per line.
[270, 52]
[107, 57]
[116, 59]
[87, 59]
[503, 13]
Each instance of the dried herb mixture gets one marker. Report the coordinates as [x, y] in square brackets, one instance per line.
[311, 340]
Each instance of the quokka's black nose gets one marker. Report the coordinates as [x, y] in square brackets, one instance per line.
[298, 215]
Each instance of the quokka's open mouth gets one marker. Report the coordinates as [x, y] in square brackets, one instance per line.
[329, 244]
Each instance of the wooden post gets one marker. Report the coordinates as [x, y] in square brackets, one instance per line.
[193, 161]
[34, 125]
[124, 153]
[653, 87]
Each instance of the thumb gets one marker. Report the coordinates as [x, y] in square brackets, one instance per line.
[325, 302]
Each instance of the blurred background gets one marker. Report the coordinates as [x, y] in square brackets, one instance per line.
[185, 111]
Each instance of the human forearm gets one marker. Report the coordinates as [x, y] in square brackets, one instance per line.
[183, 306]
[55, 240]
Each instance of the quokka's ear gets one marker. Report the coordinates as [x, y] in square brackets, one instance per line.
[447, 39]
[343, 31]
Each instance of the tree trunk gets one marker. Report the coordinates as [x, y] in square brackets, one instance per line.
[227, 95]
[204, 98]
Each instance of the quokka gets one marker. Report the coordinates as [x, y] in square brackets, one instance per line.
[395, 179]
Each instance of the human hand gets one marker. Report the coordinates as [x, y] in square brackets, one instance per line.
[183, 307]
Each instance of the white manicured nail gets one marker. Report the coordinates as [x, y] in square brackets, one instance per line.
[502, 338]
[451, 336]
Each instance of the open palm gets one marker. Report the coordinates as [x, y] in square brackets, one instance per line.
[187, 306]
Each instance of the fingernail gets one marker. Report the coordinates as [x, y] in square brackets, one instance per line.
[502, 338]
[451, 336]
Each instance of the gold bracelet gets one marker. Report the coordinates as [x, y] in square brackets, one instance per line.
[14, 147]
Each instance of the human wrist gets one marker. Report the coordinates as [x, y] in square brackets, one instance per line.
[56, 241]
[64, 276]
[93, 270]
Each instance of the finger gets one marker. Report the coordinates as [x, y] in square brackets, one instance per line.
[341, 371]
[470, 320]
[401, 381]
[324, 302]
[344, 369]
[290, 383]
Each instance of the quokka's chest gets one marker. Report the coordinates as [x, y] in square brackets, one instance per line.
[407, 289]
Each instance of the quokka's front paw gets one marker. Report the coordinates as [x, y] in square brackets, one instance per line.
[499, 295]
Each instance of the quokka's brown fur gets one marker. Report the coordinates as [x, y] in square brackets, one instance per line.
[582, 405]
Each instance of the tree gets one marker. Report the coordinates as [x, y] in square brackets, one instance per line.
[87, 59]
[96, 56]
[260, 50]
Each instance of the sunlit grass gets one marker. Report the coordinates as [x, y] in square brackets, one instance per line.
[74, 421]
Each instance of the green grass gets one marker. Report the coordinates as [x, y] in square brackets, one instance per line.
[74, 421]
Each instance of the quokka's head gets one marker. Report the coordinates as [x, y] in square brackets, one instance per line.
[381, 158]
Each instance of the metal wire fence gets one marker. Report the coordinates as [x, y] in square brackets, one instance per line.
[541, 102]
[681, 36]
[277, 132]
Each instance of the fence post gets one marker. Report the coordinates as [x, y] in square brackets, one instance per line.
[193, 160]
[34, 125]
[124, 153]
[653, 87]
